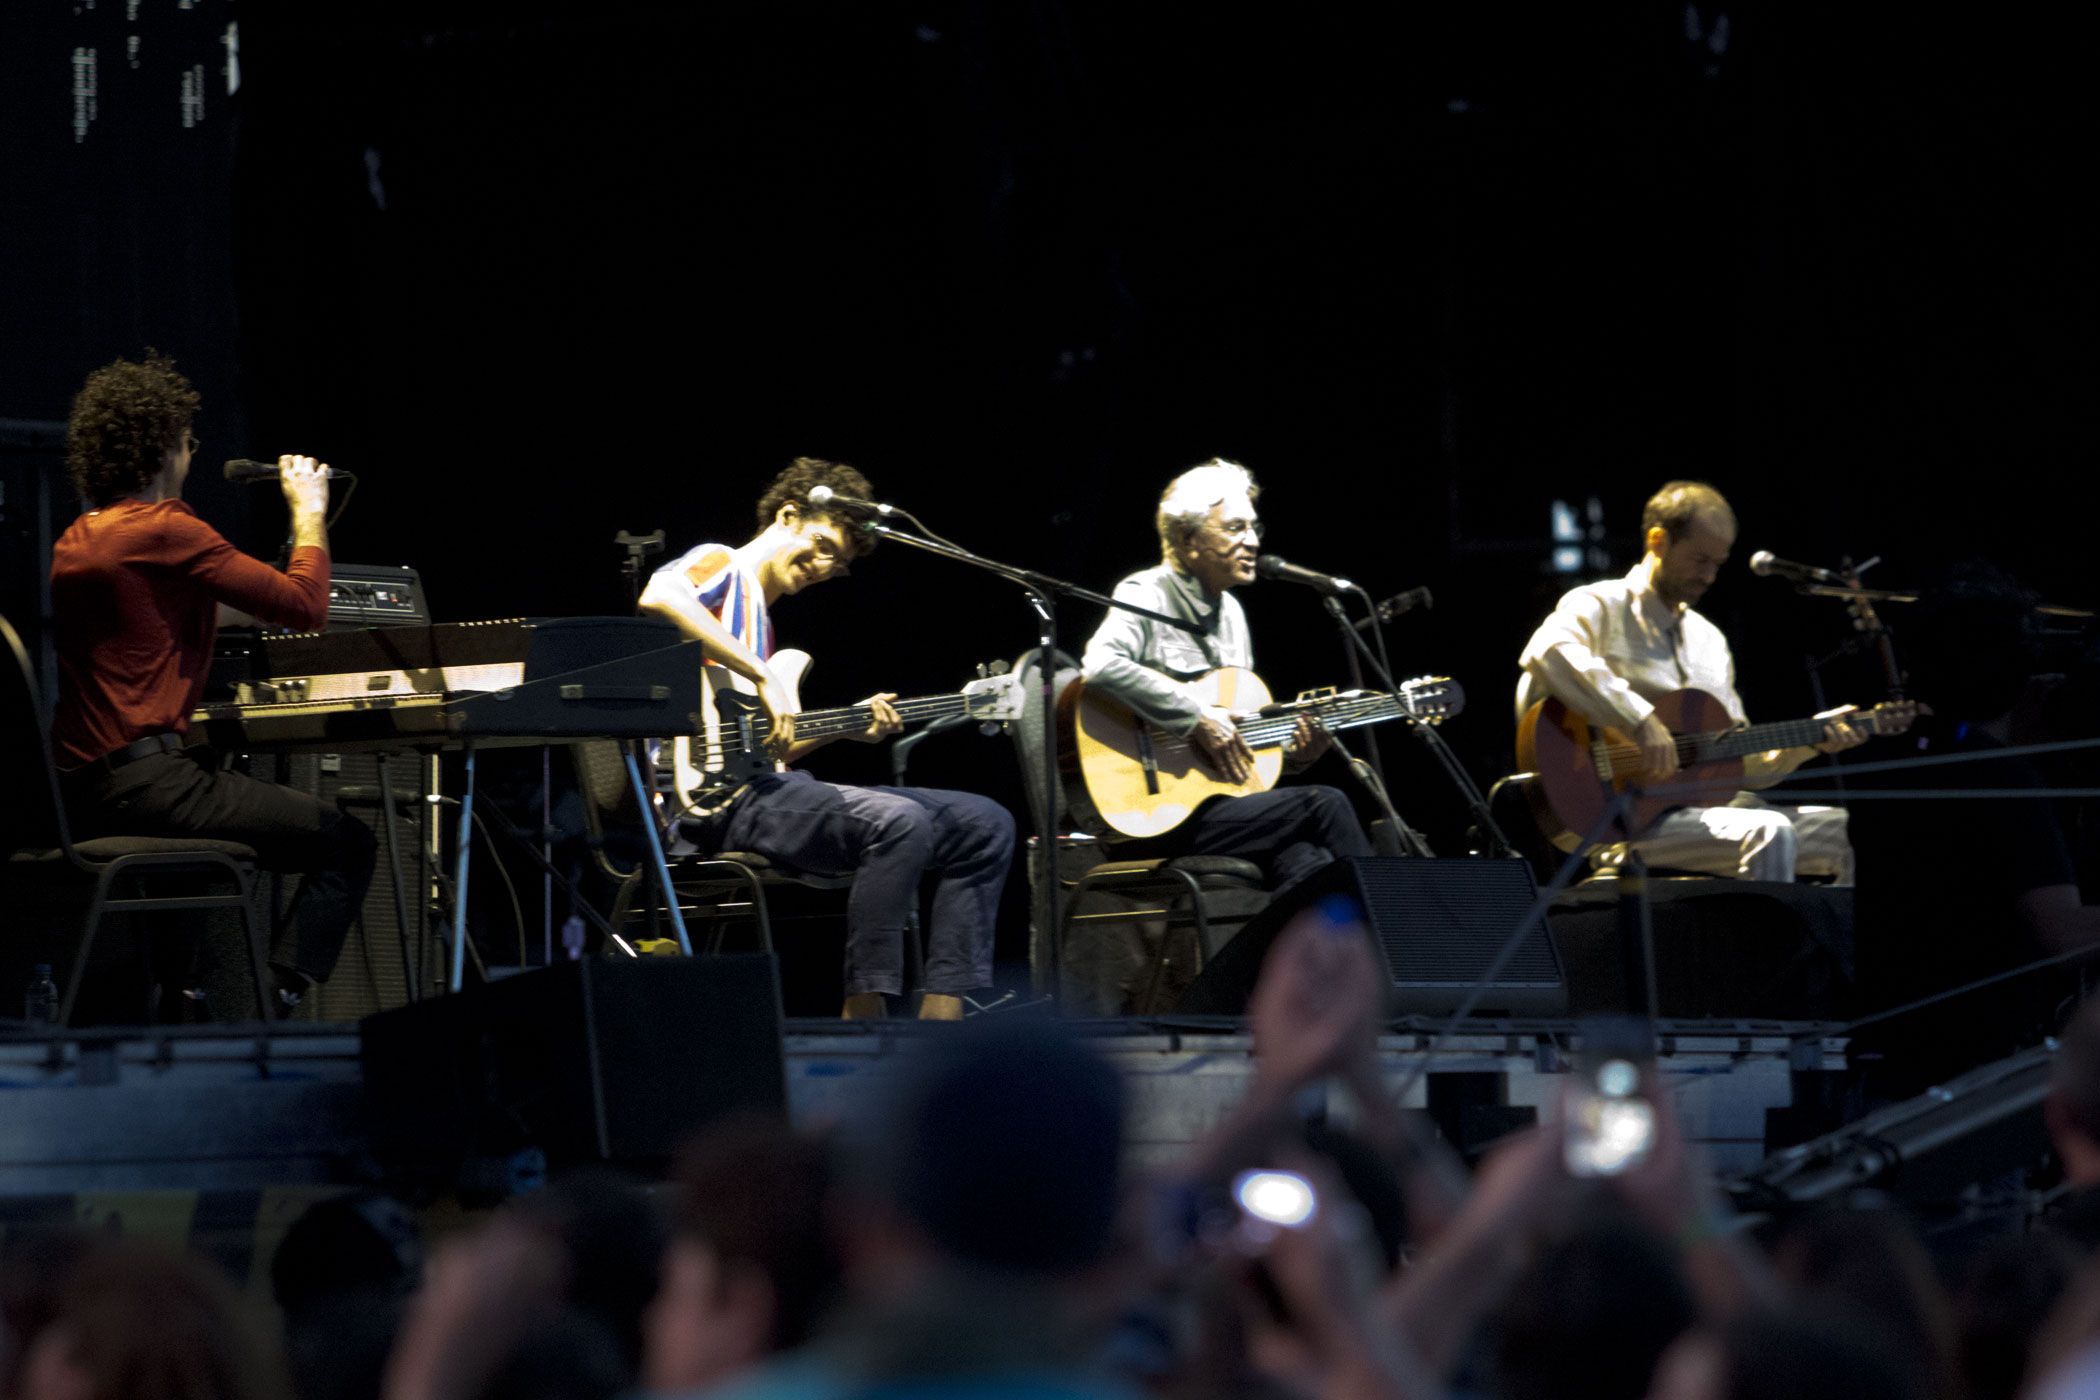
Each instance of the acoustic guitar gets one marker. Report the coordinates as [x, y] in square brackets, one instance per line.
[1580, 767]
[1133, 778]
[730, 749]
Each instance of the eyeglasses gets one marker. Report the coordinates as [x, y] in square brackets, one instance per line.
[1233, 529]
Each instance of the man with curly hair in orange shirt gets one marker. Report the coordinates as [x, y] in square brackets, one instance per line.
[139, 587]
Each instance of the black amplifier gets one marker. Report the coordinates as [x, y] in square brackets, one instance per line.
[375, 595]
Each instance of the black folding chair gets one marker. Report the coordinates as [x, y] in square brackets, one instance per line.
[42, 847]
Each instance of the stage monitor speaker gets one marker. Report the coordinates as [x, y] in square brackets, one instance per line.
[1435, 924]
[592, 1061]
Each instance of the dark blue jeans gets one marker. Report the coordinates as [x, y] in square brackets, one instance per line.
[1288, 832]
[887, 839]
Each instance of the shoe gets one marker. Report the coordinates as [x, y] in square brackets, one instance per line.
[865, 1006]
[288, 990]
[938, 1006]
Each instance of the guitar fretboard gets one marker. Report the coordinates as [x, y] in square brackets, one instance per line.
[1781, 734]
[853, 719]
[1266, 731]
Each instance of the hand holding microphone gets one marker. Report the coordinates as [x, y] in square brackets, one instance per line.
[304, 482]
[247, 469]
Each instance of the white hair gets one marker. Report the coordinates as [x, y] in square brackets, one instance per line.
[1190, 496]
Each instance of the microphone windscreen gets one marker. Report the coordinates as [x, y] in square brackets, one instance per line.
[1761, 563]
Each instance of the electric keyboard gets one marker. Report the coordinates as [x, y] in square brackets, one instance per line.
[510, 681]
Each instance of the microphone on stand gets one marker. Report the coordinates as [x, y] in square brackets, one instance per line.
[1275, 566]
[1765, 564]
[247, 469]
[824, 498]
[1397, 604]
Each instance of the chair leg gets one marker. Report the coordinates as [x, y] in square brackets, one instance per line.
[255, 949]
[760, 912]
[1198, 916]
[88, 929]
[1192, 891]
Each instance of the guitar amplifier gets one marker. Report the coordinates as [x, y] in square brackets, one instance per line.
[374, 595]
[1435, 924]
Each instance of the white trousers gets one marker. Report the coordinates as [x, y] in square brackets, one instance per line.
[1748, 840]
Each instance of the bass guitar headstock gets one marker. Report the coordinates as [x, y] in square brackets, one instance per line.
[994, 697]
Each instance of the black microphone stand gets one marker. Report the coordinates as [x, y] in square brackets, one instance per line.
[1498, 842]
[1356, 682]
[1367, 769]
[1043, 592]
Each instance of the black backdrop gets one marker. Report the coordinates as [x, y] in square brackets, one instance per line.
[541, 272]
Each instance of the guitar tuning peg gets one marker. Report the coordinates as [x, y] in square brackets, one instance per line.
[999, 668]
[989, 728]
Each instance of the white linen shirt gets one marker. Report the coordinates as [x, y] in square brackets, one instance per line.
[1609, 650]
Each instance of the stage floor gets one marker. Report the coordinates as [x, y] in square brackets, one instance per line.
[194, 1136]
[209, 1109]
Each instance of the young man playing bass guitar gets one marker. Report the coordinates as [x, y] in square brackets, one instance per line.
[1610, 651]
[886, 838]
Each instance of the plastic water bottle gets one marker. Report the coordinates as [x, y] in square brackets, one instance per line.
[40, 1001]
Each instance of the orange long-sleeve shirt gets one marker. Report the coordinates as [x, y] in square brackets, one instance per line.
[134, 595]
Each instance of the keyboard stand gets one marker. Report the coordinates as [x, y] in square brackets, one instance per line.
[463, 847]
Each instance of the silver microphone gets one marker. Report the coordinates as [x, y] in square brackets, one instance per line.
[1765, 564]
[824, 498]
[1279, 569]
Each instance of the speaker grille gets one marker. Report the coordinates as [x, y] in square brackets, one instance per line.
[372, 973]
[1440, 922]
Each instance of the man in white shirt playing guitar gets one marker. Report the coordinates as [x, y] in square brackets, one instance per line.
[886, 838]
[1210, 537]
[1610, 650]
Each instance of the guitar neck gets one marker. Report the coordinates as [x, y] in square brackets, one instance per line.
[853, 719]
[1352, 712]
[1758, 738]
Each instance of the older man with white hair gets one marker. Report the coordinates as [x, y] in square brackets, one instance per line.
[1210, 536]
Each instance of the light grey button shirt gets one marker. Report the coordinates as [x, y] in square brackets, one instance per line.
[1143, 663]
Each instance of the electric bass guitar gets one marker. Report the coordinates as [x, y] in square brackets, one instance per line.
[1133, 778]
[1580, 767]
[730, 749]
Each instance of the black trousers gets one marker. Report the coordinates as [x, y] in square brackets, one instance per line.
[1288, 832]
[173, 794]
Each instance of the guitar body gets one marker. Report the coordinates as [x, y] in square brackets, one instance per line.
[1135, 779]
[1581, 767]
[727, 753]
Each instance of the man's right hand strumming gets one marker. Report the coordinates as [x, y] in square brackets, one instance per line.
[304, 482]
[1223, 744]
[1658, 748]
